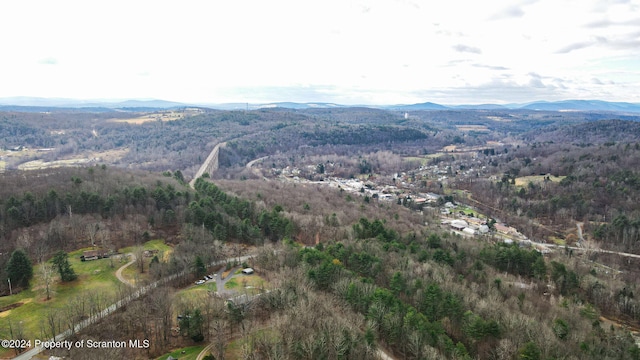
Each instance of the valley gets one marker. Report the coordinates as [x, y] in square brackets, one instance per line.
[432, 234]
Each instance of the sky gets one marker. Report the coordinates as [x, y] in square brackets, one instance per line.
[340, 51]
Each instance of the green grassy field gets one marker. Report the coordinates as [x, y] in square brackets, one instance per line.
[231, 284]
[132, 272]
[149, 245]
[198, 289]
[558, 241]
[467, 211]
[190, 353]
[239, 282]
[94, 277]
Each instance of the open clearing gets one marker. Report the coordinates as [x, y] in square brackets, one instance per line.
[157, 244]
[40, 164]
[169, 115]
[478, 128]
[499, 118]
[536, 179]
[92, 158]
[196, 292]
[241, 282]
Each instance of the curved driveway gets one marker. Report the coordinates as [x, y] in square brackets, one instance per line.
[220, 281]
[121, 268]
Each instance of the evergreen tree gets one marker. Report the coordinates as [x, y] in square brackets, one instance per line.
[530, 351]
[191, 325]
[61, 261]
[19, 269]
[199, 268]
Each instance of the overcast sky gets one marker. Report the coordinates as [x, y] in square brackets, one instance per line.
[348, 52]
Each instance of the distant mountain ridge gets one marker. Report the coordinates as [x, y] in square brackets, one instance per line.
[421, 106]
[75, 103]
[35, 103]
[583, 105]
[565, 105]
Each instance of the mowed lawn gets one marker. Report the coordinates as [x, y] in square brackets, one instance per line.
[187, 353]
[149, 245]
[196, 291]
[239, 281]
[132, 272]
[94, 277]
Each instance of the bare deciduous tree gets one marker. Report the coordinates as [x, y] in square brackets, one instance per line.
[46, 277]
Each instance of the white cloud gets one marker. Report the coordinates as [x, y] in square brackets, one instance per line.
[352, 52]
[48, 61]
[467, 49]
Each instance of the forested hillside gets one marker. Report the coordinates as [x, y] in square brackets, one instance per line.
[600, 183]
[67, 209]
[347, 219]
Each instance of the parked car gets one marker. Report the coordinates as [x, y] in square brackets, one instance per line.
[207, 277]
[199, 282]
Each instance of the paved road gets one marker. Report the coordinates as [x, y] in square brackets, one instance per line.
[250, 163]
[220, 281]
[257, 172]
[624, 254]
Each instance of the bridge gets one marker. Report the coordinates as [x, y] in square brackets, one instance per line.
[210, 165]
